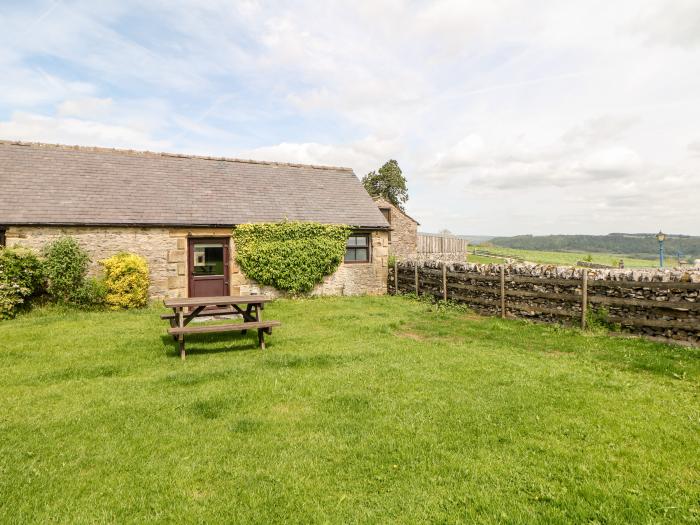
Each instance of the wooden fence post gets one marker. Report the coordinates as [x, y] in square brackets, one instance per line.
[416, 270]
[396, 277]
[444, 282]
[503, 292]
[584, 298]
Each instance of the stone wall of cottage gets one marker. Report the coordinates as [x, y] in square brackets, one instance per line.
[404, 232]
[165, 249]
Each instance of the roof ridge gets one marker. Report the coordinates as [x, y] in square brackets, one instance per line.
[147, 153]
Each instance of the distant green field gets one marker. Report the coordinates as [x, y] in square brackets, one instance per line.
[482, 259]
[560, 258]
[635, 245]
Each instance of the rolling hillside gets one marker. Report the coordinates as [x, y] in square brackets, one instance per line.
[639, 245]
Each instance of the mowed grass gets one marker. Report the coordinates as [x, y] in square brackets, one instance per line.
[361, 410]
[562, 258]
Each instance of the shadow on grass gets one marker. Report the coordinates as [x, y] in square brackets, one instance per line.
[236, 343]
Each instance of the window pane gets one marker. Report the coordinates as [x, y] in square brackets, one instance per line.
[208, 259]
[361, 240]
[357, 248]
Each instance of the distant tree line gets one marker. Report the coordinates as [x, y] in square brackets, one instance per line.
[639, 245]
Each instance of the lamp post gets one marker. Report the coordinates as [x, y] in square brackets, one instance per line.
[661, 237]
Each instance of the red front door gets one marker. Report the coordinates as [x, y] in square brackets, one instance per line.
[208, 267]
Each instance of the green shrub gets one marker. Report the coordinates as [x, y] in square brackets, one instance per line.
[21, 266]
[21, 277]
[66, 264]
[93, 293]
[11, 296]
[126, 281]
[598, 319]
[291, 256]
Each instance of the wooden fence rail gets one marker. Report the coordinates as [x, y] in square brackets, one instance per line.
[666, 309]
[433, 243]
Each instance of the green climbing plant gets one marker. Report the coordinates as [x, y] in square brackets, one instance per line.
[291, 256]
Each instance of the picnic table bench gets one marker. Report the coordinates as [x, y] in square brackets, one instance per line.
[249, 307]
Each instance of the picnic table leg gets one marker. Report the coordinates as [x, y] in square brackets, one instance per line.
[261, 338]
[173, 321]
[181, 337]
[246, 317]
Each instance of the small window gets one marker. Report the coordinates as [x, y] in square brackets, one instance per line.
[2, 237]
[357, 248]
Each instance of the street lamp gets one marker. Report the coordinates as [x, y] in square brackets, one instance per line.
[661, 237]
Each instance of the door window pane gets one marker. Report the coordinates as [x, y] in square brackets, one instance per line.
[208, 259]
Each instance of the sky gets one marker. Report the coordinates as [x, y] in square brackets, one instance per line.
[507, 117]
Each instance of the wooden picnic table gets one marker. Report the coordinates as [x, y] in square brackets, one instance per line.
[249, 307]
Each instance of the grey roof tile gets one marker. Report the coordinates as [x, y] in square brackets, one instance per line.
[55, 184]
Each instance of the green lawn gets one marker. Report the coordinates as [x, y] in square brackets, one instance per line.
[561, 258]
[483, 259]
[372, 410]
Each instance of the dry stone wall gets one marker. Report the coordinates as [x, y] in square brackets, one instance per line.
[440, 257]
[657, 303]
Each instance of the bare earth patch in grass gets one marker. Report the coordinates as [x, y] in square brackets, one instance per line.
[412, 335]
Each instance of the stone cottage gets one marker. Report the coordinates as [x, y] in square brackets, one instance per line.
[403, 236]
[178, 211]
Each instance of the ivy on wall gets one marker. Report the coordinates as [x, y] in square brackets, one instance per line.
[291, 256]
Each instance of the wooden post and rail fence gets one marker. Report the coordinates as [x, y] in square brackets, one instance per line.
[434, 243]
[667, 309]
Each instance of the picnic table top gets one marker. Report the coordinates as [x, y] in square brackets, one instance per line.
[216, 301]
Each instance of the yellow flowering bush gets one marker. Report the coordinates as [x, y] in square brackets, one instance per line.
[126, 280]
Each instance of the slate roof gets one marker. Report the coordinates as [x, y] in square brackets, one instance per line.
[50, 184]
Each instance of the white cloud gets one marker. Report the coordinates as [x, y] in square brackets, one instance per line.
[612, 162]
[363, 156]
[694, 148]
[89, 107]
[673, 23]
[24, 87]
[467, 152]
[65, 130]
